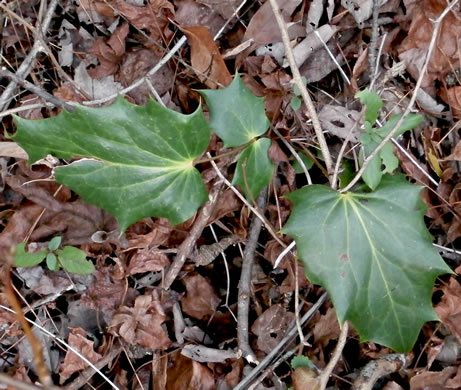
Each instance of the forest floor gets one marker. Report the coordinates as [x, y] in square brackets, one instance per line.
[136, 333]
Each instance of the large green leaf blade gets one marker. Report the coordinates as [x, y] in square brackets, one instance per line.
[373, 254]
[236, 115]
[254, 168]
[138, 160]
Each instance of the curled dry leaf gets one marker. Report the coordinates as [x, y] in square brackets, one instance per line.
[201, 300]
[445, 56]
[147, 260]
[448, 378]
[206, 58]
[73, 363]
[449, 308]
[326, 328]
[141, 324]
[109, 54]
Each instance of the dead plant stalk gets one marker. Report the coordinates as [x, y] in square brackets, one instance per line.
[372, 155]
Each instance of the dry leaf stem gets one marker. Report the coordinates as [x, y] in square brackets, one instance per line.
[304, 93]
[26, 66]
[187, 246]
[412, 100]
[244, 287]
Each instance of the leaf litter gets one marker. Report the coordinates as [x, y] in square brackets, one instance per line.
[105, 47]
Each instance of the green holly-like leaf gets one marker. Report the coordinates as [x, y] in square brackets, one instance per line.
[24, 259]
[138, 160]
[373, 254]
[308, 163]
[301, 361]
[254, 168]
[74, 260]
[236, 115]
[373, 104]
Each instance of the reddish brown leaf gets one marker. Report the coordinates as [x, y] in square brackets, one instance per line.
[445, 56]
[201, 300]
[147, 260]
[206, 58]
[326, 328]
[141, 324]
[449, 308]
[271, 326]
[187, 374]
[73, 363]
[434, 380]
[109, 54]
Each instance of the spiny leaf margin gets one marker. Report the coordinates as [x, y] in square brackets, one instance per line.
[373, 254]
[137, 160]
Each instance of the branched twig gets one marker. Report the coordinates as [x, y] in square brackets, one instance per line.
[187, 246]
[412, 100]
[268, 226]
[325, 375]
[244, 287]
[26, 66]
[38, 91]
[304, 93]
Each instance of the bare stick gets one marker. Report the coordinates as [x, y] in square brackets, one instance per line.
[376, 369]
[412, 100]
[64, 344]
[187, 246]
[38, 91]
[268, 226]
[325, 375]
[299, 83]
[245, 281]
[26, 66]
[17, 384]
[253, 374]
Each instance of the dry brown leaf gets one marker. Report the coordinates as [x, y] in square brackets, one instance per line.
[201, 300]
[449, 308]
[445, 56]
[452, 96]
[305, 378]
[186, 374]
[12, 149]
[326, 328]
[73, 363]
[192, 13]
[271, 326]
[430, 380]
[262, 30]
[147, 260]
[141, 324]
[106, 293]
[109, 54]
[206, 58]
[135, 65]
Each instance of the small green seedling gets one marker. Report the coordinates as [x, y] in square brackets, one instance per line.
[71, 259]
[385, 161]
[296, 100]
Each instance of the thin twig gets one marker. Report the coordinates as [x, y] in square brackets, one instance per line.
[244, 287]
[268, 226]
[253, 374]
[17, 384]
[28, 63]
[374, 40]
[25, 108]
[325, 375]
[372, 155]
[38, 91]
[304, 93]
[63, 343]
[187, 246]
